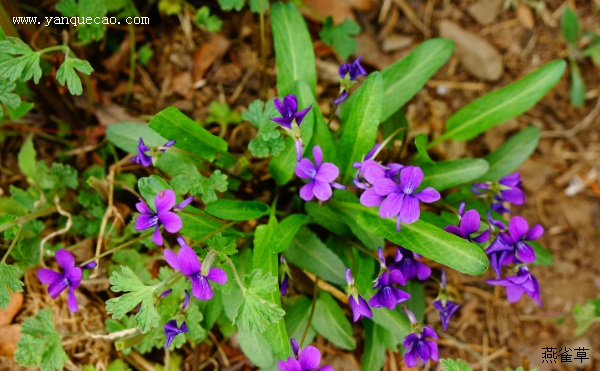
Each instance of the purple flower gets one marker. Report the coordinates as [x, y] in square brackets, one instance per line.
[359, 306]
[444, 304]
[500, 254]
[469, 223]
[523, 283]
[288, 108]
[166, 293]
[519, 232]
[388, 296]
[187, 263]
[420, 347]
[307, 359]
[186, 300]
[322, 177]
[353, 70]
[58, 282]
[405, 261]
[164, 202]
[171, 330]
[507, 189]
[402, 200]
[142, 158]
[284, 275]
[341, 98]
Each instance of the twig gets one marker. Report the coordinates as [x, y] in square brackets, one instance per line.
[56, 233]
[12, 244]
[587, 121]
[412, 17]
[29, 217]
[328, 288]
[312, 311]
[220, 349]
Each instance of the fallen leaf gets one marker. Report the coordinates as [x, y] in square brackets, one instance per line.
[207, 54]
[9, 337]
[338, 9]
[485, 11]
[475, 53]
[14, 306]
[525, 16]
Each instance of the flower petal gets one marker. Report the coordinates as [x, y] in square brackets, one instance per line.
[306, 192]
[514, 196]
[370, 198]
[305, 169]
[74, 275]
[455, 231]
[534, 233]
[372, 171]
[72, 301]
[525, 252]
[470, 222]
[171, 259]
[278, 105]
[322, 190]
[318, 156]
[164, 200]
[188, 261]
[290, 365]
[517, 227]
[143, 208]
[428, 195]
[218, 275]
[48, 276]
[385, 186]
[157, 237]
[410, 211]
[171, 221]
[327, 172]
[65, 259]
[286, 122]
[514, 293]
[309, 358]
[201, 288]
[300, 115]
[290, 104]
[145, 221]
[57, 287]
[411, 178]
[184, 203]
[392, 205]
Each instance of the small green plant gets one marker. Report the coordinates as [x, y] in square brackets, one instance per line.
[340, 37]
[572, 33]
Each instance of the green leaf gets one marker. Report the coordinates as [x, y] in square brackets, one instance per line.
[330, 322]
[210, 186]
[20, 110]
[256, 312]
[403, 79]
[308, 252]
[278, 236]
[39, 344]
[227, 5]
[255, 5]
[193, 319]
[14, 46]
[149, 187]
[392, 320]
[360, 131]
[222, 245]
[7, 96]
[447, 174]
[197, 224]
[340, 36]
[9, 233]
[221, 113]
[322, 135]
[327, 218]
[268, 140]
[282, 167]
[237, 210]
[420, 237]
[211, 22]
[502, 104]
[455, 365]
[86, 33]
[416, 303]
[421, 143]
[593, 51]
[543, 257]
[585, 315]
[126, 281]
[294, 53]
[23, 68]
[570, 26]
[26, 158]
[256, 348]
[276, 334]
[170, 7]
[374, 355]
[126, 136]
[55, 177]
[190, 136]
[577, 93]
[66, 73]
[511, 154]
[297, 311]
[9, 280]
[145, 53]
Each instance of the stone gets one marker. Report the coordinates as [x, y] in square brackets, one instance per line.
[396, 42]
[14, 306]
[9, 337]
[475, 53]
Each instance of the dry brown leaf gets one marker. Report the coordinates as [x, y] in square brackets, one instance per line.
[9, 337]
[207, 54]
[525, 16]
[338, 9]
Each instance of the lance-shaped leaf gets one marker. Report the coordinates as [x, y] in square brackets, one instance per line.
[329, 321]
[360, 131]
[447, 174]
[502, 104]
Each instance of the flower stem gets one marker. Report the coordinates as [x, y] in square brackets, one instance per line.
[312, 312]
[220, 229]
[110, 251]
[333, 109]
[263, 49]
[12, 245]
[132, 58]
[235, 274]
[29, 217]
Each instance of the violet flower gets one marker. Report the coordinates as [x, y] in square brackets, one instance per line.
[187, 263]
[419, 346]
[322, 177]
[359, 306]
[469, 224]
[500, 254]
[144, 159]
[402, 200]
[307, 359]
[171, 330]
[523, 283]
[284, 276]
[164, 202]
[444, 304]
[291, 119]
[341, 98]
[186, 300]
[405, 261]
[70, 278]
[519, 232]
[352, 70]
[507, 189]
[388, 295]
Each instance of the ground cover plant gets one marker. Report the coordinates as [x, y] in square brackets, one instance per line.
[340, 234]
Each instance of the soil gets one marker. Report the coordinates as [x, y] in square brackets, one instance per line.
[488, 333]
